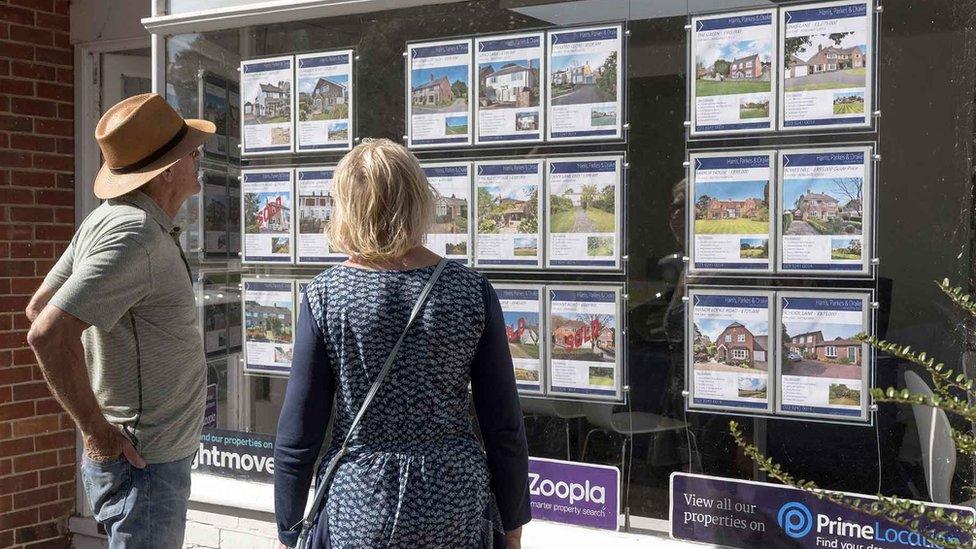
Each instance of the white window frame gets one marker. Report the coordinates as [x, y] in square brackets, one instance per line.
[739, 354]
[741, 338]
[830, 351]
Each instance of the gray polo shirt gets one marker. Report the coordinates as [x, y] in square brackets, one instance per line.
[124, 274]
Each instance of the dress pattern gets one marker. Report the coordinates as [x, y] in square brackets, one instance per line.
[415, 475]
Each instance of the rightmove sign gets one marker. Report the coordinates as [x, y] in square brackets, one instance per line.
[747, 514]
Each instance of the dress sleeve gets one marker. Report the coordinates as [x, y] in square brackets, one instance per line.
[302, 424]
[496, 403]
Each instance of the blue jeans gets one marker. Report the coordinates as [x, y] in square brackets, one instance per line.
[139, 508]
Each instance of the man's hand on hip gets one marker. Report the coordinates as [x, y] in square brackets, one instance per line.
[109, 443]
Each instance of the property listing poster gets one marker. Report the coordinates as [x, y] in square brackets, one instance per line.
[234, 121]
[215, 212]
[584, 212]
[266, 210]
[214, 107]
[522, 308]
[730, 349]
[827, 65]
[324, 100]
[823, 371]
[266, 113]
[235, 330]
[269, 317]
[729, 207]
[314, 196]
[583, 331]
[825, 197]
[509, 91]
[188, 217]
[234, 211]
[584, 89]
[213, 302]
[449, 234]
[508, 210]
[734, 89]
[438, 88]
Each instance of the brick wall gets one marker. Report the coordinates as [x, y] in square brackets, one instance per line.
[37, 442]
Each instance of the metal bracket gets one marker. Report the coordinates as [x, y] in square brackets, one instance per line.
[687, 123]
[685, 393]
[876, 261]
[879, 8]
[626, 126]
[876, 157]
[686, 164]
[875, 305]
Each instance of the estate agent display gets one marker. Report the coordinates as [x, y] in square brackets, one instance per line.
[584, 86]
[266, 88]
[522, 307]
[509, 91]
[825, 200]
[438, 93]
[269, 319]
[450, 233]
[584, 212]
[213, 106]
[266, 211]
[324, 101]
[734, 63]
[584, 335]
[216, 212]
[313, 193]
[824, 369]
[730, 219]
[508, 231]
[730, 350]
[827, 54]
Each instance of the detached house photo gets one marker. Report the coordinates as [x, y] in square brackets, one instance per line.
[822, 206]
[810, 352]
[270, 103]
[450, 214]
[825, 61]
[512, 84]
[439, 90]
[732, 207]
[721, 345]
[314, 211]
[323, 98]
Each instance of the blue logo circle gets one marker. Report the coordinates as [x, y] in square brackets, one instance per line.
[795, 519]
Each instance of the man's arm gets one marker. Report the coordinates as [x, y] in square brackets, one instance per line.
[38, 301]
[55, 337]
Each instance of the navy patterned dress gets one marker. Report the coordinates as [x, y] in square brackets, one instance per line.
[416, 475]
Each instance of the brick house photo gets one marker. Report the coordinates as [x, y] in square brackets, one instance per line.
[737, 345]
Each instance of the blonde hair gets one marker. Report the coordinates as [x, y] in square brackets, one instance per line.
[383, 204]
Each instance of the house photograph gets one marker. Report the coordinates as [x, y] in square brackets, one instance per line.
[510, 209]
[831, 206]
[509, 84]
[270, 322]
[814, 349]
[733, 68]
[522, 330]
[439, 90]
[738, 207]
[825, 61]
[267, 212]
[323, 98]
[267, 102]
[450, 214]
[722, 345]
[583, 336]
[314, 211]
[583, 78]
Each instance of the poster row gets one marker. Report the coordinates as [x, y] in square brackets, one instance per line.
[785, 353]
[792, 211]
[489, 90]
[564, 340]
[560, 213]
[212, 218]
[219, 101]
[797, 67]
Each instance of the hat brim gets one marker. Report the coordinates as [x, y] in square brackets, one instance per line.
[110, 185]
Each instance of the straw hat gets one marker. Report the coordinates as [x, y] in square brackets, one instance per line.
[140, 137]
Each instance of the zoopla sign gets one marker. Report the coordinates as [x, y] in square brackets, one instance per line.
[740, 513]
[574, 493]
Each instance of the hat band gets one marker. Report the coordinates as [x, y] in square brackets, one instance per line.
[155, 155]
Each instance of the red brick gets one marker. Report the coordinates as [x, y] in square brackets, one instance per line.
[55, 56]
[62, 6]
[15, 159]
[17, 446]
[23, 357]
[13, 303]
[25, 286]
[47, 406]
[66, 111]
[54, 232]
[62, 40]
[55, 91]
[17, 483]
[54, 198]
[54, 127]
[14, 123]
[31, 249]
[43, 266]
[16, 87]
[21, 322]
[15, 375]
[6, 503]
[17, 519]
[32, 70]
[31, 391]
[16, 15]
[56, 162]
[16, 232]
[4, 144]
[17, 410]
[39, 5]
[16, 268]
[27, 142]
[65, 76]
[6, 323]
[57, 510]
[59, 474]
[52, 21]
[35, 462]
[16, 50]
[16, 196]
[32, 35]
[33, 179]
[66, 456]
[33, 498]
[4, 31]
[7, 538]
[63, 215]
[33, 107]
[59, 440]
[4, 66]
[66, 145]
[34, 425]
[4, 103]
[6, 431]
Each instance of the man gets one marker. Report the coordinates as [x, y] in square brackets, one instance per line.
[114, 327]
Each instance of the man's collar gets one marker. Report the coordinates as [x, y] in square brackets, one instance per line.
[142, 201]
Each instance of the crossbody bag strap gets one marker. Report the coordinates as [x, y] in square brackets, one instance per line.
[323, 487]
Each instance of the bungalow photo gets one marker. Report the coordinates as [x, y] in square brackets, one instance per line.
[817, 349]
[522, 330]
[739, 207]
[450, 214]
[825, 61]
[439, 90]
[823, 206]
[314, 211]
[724, 345]
[267, 102]
[510, 209]
[752, 387]
[578, 207]
[584, 78]
[508, 84]
[584, 336]
[734, 68]
[323, 98]
[268, 322]
[267, 213]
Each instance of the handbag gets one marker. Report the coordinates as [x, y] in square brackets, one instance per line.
[304, 538]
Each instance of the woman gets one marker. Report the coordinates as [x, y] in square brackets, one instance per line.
[416, 475]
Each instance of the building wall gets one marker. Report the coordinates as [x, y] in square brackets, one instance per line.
[37, 441]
